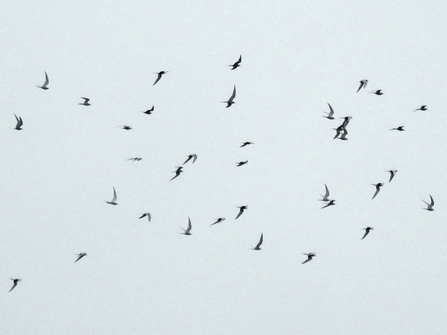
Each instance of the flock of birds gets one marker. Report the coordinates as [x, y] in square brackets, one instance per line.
[341, 133]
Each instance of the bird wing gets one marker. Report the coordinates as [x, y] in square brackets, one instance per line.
[261, 239]
[47, 81]
[377, 191]
[233, 95]
[157, 80]
[432, 202]
[194, 158]
[114, 195]
[241, 210]
[366, 233]
[331, 110]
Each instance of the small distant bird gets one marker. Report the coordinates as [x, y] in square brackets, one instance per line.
[160, 74]
[217, 221]
[237, 64]
[430, 205]
[125, 127]
[19, 122]
[245, 144]
[326, 195]
[148, 215]
[400, 128]
[309, 257]
[241, 163]
[86, 102]
[258, 246]
[113, 202]
[177, 172]
[150, 110]
[241, 210]
[378, 186]
[330, 203]
[378, 92]
[346, 121]
[338, 130]
[330, 115]
[422, 108]
[45, 84]
[392, 174]
[82, 254]
[135, 159]
[187, 231]
[15, 282]
[344, 134]
[230, 101]
[193, 157]
[367, 230]
[363, 84]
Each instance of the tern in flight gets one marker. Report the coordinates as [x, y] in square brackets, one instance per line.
[160, 74]
[135, 159]
[187, 231]
[193, 157]
[217, 221]
[150, 110]
[346, 121]
[148, 215]
[377, 92]
[231, 100]
[367, 230]
[45, 84]
[126, 127]
[392, 174]
[429, 205]
[258, 246]
[343, 135]
[326, 195]
[82, 254]
[400, 128]
[86, 102]
[422, 108]
[330, 203]
[113, 202]
[338, 130]
[378, 186]
[177, 172]
[241, 163]
[15, 282]
[237, 64]
[245, 144]
[19, 123]
[330, 115]
[363, 84]
[241, 210]
[309, 257]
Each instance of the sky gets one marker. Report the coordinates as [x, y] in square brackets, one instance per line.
[143, 277]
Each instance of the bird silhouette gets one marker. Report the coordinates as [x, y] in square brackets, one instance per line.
[82, 254]
[193, 157]
[346, 121]
[217, 221]
[19, 123]
[150, 110]
[135, 159]
[367, 230]
[330, 203]
[422, 108]
[230, 101]
[159, 75]
[429, 205]
[330, 115]
[363, 84]
[377, 92]
[45, 84]
[245, 144]
[309, 257]
[237, 64]
[113, 202]
[86, 102]
[148, 215]
[378, 186]
[258, 246]
[241, 163]
[187, 231]
[14, 283]
[325, 197]
[177, 172]
[392, 174]
[126, 127]
[241, 210]
[400, 128]
[338, 131]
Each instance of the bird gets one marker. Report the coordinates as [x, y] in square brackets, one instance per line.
[378, 186]
[258, 246]
[19, 123]
[346, 121]
[113, 202]
[45, 84]
[135, 159]
[217, 221]
[241, 163]
[343, 136]
[338, 130]
[230, 101]
[326, 195]
[392, 174]
[82, 254]
[377, 92]
[363, 84]
[422, 108]
[237, 64]
[160, 74]
[15, 282]
[241, 210]
[400, 128]
[177, 172]
[329, 115]
[309, 257]
[367, 230]
[429, 205]
[148, 215]
[187, 231]
[193, 157]
[244, 144]
[86, 102]
[126, 127]
[330, 203]
[150, 110]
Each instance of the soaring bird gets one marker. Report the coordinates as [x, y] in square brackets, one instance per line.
[86, 102]
[187, 231]
[400, 128]
[429, 205]
[230, 101]
[217, 221]
[237, 64]
[363, 84]
[378, 186]
[241, 163]
[241, 210]
[19, 123]
[367, 230]
[148, 215]
[330, 203]
[309, 257]
[160, 74]
[177, 172]
[422, 108]
[330, 115]
[15, 282]
[135, 159]
[113, 202]
[150, 110]
[377, 92]
[245, 144]
[126, 127]
[258, 246]
[193, 157]
[392, 174]
[82, 254]
[326, 195]
[45, 84]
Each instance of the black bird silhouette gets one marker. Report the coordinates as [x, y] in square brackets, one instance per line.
[82, 254]
[187, 231]
[15, 282]
[378, 186]
[241, 163]
[309, 257]
[160, 74]
[230, 101]
[193, 157]
[429, 205]
[150, 110]
[135, 159]
[330, 203]
[177, 172]
[19, 123]
[45, 84]
[245, 144]
[258, 246]
[330, 115]
[400, 128]
[363, 84]
[378, 92]
[148, 215]
[237, 64]
[392, 174]
[113, 201]
[346, 121]
[217, 221]
[367, 230]
[241, 210]
[125, 127]
[86, 102]
[422, 108]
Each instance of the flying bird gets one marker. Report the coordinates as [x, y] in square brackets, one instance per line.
[82, 254]
[330, 203]
[346, 121]
[400, 128]
[148, 215]
[241, 163]
[237, 64]
[86, 102]
[378, 92]
[45, 84]
[422, 108]
[326, 195]
[245, 144]
[363, 84]
[113, 202]
[378, 186]
[367, 230]
[338, 130]
[330, 115]
[19, 123]
[309, 257]
[193, 157]
[135, 159]
[241, 210]
[177, 172]
[392, 174]
[15, 282]
[217, 221]
[125, 127]
[258, 246]
[149, 111]
[430, 205]
[231, 99]
[187, 231]
[160, 74]
[344, 134]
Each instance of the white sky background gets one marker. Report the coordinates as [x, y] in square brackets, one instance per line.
[146, 278]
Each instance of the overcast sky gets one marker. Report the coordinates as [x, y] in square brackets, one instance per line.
[143, 277]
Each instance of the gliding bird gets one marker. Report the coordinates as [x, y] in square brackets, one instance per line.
[326, 195]
[113, 202]
[15, 282]
[309, 257]
[85, 103]
[378, 186]
[160, 74]
[330, 114]
[187, 231]
[177, 172]
[367, 230]
[258, 246]
[148, 215]
[330, 203]
[193, 157]
[217, 221]
[237, 64]
[19, 123]
[392, 174]
[241, 210]
[363, 84]
[230, 101]
[45, 84]
[430, 205]
[82, 254]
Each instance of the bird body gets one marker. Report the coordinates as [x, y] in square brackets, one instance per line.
[217, 221]
[378, 186]
[86, 102]
[230, 101]
[15, 281]
[150, 110]
[135, 159]
[82, 254]
[309, 257]
[330, 203]
[400, 128]
[245, 144]
[19, 123]
[378, 92]
[148, 215]
[159, 75]
[367, 230]
[429, 205]
[187, 231]
[45, 84]
[241, 163]
[422, 108]
[113, 201]
[237, 63]
[241, 210]
[177, 172]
